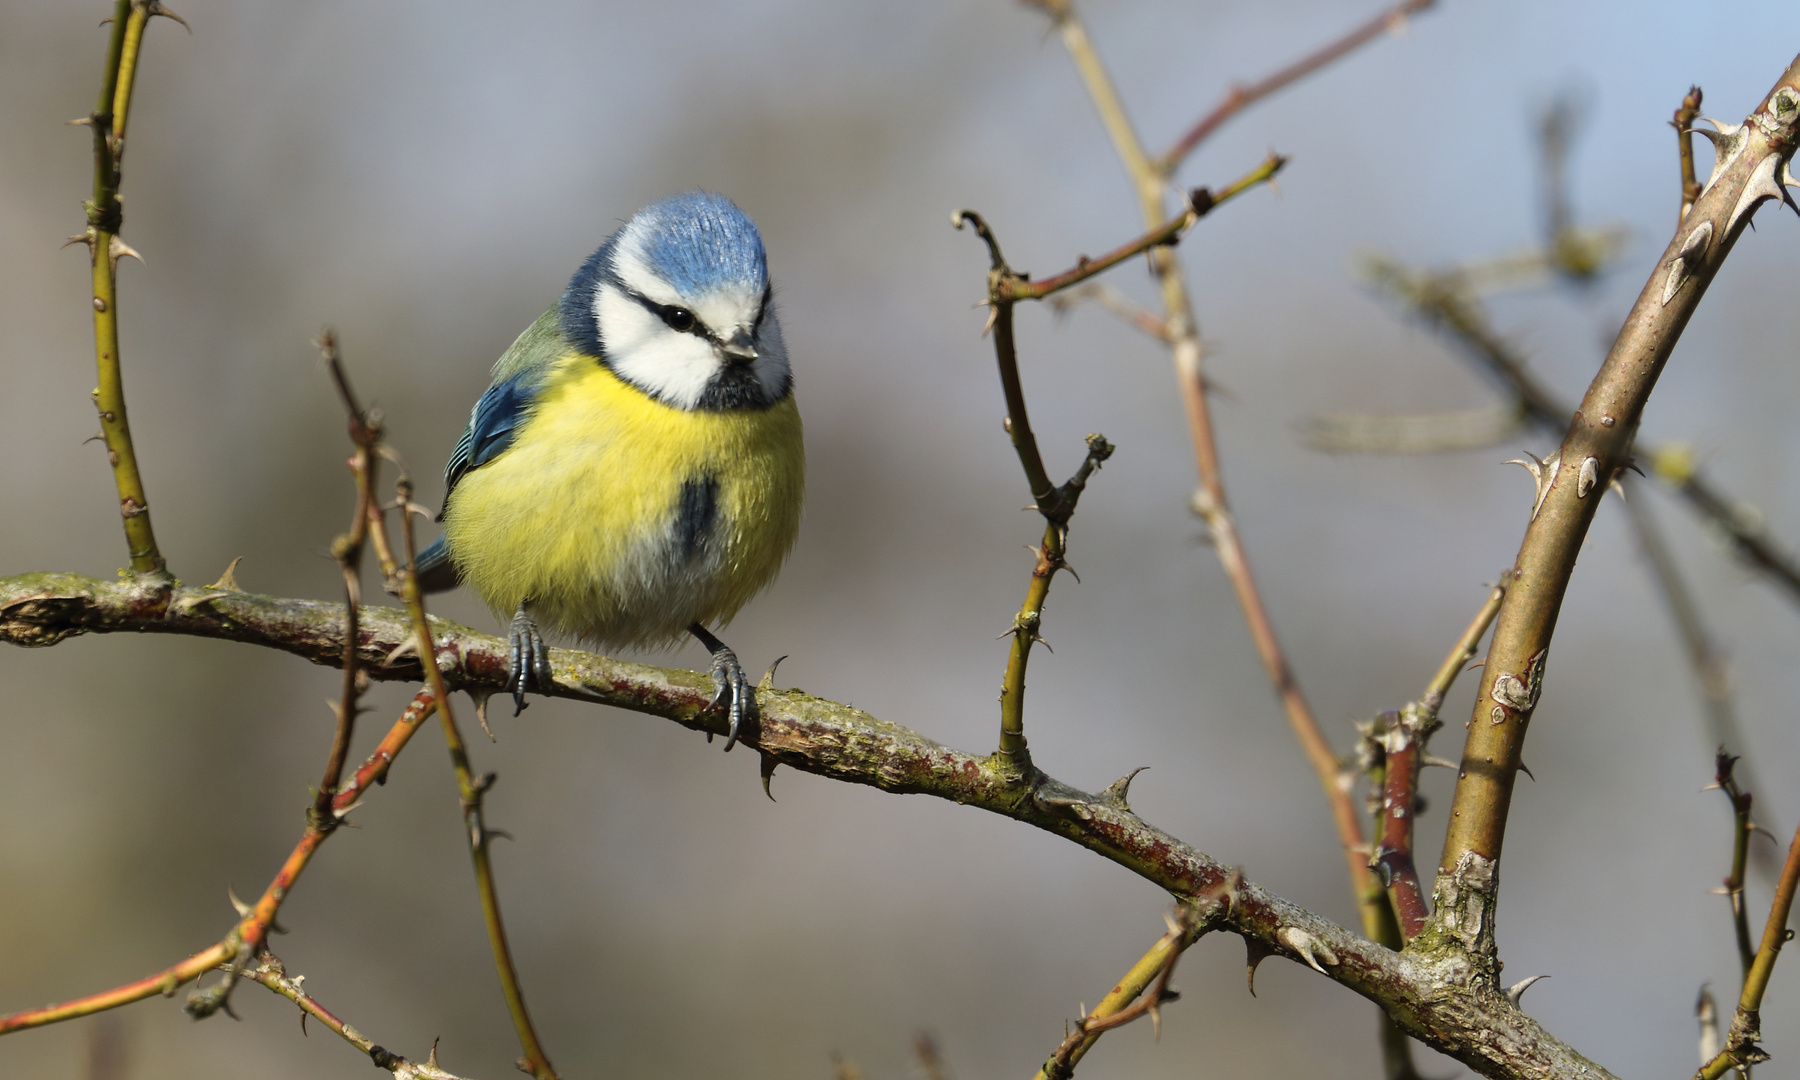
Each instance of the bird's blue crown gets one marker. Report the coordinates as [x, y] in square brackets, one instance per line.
[699, 242]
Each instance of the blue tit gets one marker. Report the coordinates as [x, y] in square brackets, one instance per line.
[635, 470]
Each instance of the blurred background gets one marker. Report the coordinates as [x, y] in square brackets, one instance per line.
[425, 177]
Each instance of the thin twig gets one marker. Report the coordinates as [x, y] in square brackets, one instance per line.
[1200, 202]
[248, 935]
[1028, 624]
[1114, 302]
[331, 802]
[1209, 501]
[470, 789]
[1711, 676]
[105, 215]
[269, 971]
[365, 435]
[1242, 96]
[1445, 302]
[1742, 828]
[1683, 122]
[1141, 992]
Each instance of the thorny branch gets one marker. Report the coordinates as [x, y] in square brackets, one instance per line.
[1400, 739]
[1742, 828]
[1210, 502]
[255, 919]
[834, 741]
[269, 971]
[471, 791]
[1741, 1050]
[331, 802]
[1597, 445]
[105, 216]
[1141, 992]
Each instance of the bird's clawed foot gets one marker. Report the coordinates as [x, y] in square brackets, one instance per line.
[733, 691]
[529, 664]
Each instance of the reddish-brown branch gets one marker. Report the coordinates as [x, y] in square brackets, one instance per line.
[249, 933]
[269, 972]
[1242, 96]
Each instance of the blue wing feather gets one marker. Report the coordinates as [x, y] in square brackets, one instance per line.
[490, 429]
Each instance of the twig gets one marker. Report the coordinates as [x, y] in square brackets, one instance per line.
[269, 972]
[331, 802]
[535, 1062]
[1028, 624]
[1710, 675]
[1200, 202]
[1141, 992]
[1114, 302]
[1242, 96]
[1446, 304]
[1741, 1049]
[1597, 445]
[837, 742]
[1741, 830]
[365, 435]
[1683, 122]
[1209, 500]
[104, 218]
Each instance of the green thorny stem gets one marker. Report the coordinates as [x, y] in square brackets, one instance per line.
[1056, 503]
[1741, 1049]
[105, 249]
[471, 790]
[1143, 989]
[1750, 163]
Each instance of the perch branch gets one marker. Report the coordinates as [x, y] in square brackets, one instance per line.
[1432, 998]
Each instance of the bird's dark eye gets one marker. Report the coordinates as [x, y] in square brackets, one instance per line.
[679, 319]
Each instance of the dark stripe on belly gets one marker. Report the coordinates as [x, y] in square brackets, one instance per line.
[695, 514]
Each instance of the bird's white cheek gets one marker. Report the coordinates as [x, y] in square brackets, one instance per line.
[642, 350]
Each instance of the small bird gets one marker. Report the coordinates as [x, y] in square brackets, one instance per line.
[635, 470]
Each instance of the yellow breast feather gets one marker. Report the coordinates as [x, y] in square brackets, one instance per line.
[622, 519]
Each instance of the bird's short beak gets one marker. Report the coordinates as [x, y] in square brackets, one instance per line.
[739, 350]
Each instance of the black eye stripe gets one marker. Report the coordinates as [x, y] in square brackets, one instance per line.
[676, 317]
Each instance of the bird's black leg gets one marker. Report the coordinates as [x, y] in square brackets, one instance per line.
[529, 664]
[732, 687]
